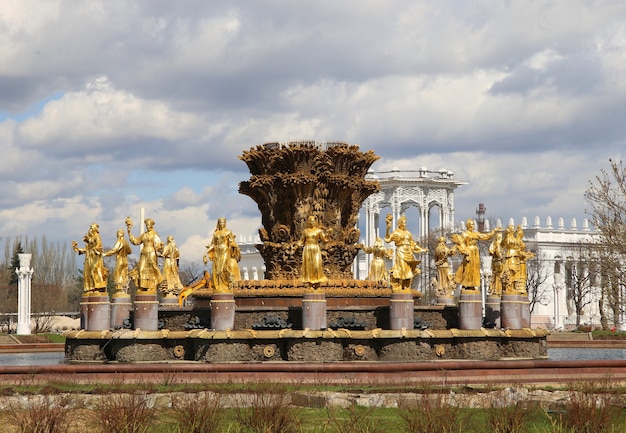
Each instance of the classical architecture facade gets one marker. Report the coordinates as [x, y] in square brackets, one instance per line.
[423, 189]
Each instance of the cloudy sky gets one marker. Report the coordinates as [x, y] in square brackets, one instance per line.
[107, 107]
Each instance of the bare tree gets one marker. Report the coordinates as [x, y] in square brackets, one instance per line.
[55, 269]
[581, 276]
[613, 287]
[607, 196]
[190, 271]
[538, 271]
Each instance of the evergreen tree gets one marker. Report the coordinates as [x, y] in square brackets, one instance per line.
[15, 262]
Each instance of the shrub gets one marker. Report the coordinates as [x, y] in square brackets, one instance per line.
[40, 414]
[355, 419]
[124, 413]
[592, 407]
[435, 412]
[198, 413]
[269, 411]
[505, 415]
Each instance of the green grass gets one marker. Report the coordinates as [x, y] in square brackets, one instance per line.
[608, 335]
[48, 337]
[387, 420]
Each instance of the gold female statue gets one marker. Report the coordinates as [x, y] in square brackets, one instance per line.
[404, 264]
[378, 267]
[225, 254]
[312, 271]
[121, 250]
[147, 274]
[171, 255]
[514, 269]
[95, 274]
[445, 282]
[468, 274]
[497, 265]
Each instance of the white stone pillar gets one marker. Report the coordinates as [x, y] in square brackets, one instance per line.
[425, 221]
[560, 295]
[25, 274]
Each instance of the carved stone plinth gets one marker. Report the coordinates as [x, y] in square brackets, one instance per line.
[470, 310]
[146, 312]
[492, 311]
[98, 312]
[514, 310]
[314, 311]
[445, 300]
[84, 310]
[169, 300]
[121, 307]
[525, 311]
[401, 310]
[222, 311]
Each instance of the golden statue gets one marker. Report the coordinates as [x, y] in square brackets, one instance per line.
[121, 250]
[468, 274]
[524, 256]
[497, 264]
[514, 269]
[146, 274]
[445, 282]
[95, 274]
[378, 267]
[404, 264]
[225, 254]
[171, 255]
[312, 271]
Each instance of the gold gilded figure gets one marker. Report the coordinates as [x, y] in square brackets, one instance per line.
[378, 267]
[497, 264]
[225, 254]
[468, 274]
[121, 250]
[514, 269]
[171, 255]
[147, 274]
[445, 281]
[95, 274]
[524, 256]
[312, 271]
[404, 264]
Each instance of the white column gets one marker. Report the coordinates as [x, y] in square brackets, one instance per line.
[425, 223]
[24, 273]
[560, 296]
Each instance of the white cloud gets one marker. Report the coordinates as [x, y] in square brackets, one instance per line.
[110, 106]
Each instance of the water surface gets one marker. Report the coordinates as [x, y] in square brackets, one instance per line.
[561, 354]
